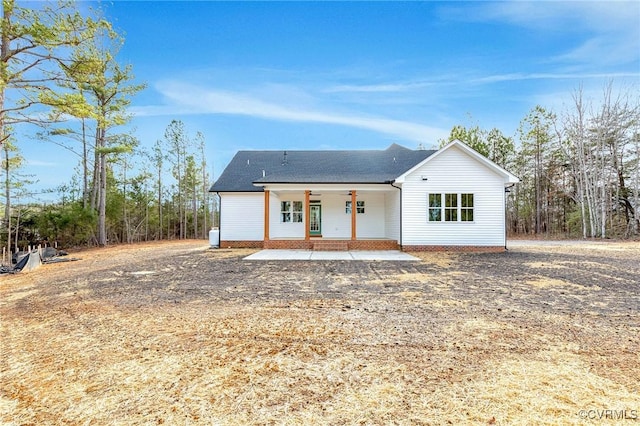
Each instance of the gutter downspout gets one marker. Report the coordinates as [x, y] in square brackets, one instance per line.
[506, 191]
[400, 188]
[219, 215]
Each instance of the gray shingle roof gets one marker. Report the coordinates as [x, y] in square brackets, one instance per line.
[356, 166]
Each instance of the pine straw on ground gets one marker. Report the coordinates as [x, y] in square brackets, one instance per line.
[177, 334]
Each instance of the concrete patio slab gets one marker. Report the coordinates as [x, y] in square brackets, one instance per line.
[379, 255]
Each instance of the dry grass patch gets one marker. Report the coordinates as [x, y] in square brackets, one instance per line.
[547, 265]
[549, 387]
[229, 253]
[440, 259]
[547, 282]
[211, 340]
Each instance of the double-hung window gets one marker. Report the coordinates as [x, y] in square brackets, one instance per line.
[450, 207]
[297, 211]
[466, 207]
[359, 207]
[435, 207]
[291, 211]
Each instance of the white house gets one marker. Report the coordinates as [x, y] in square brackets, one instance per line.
[452, 198]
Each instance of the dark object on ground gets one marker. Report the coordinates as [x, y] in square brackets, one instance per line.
[49, 252]
[25, 261]
[60, 259]
[28, 262]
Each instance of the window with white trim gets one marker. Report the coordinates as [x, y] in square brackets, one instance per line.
[466, 207]
[435, 207]
[291, 211]
[450, 207]
[359, 207]
[297, 211]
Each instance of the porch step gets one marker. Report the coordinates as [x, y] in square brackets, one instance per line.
[330, 246]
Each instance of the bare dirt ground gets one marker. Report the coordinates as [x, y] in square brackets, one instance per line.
[177, 333]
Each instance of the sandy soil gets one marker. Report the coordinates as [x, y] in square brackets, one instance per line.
[177, 333]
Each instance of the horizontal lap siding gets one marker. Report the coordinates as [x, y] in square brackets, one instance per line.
[454, 172]
[335, 222]
[392, 215]
[241, 216]
[371, 223]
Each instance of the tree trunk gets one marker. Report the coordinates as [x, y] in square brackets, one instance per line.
[194, 209]
[160, 224]
[102, 196]
[85, 167]
[7, 196]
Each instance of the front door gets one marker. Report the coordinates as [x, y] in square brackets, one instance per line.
[315, 226]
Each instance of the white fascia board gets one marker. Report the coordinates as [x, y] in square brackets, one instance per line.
[326, 187]
[509, 178]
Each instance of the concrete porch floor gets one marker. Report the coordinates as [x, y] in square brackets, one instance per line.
[380, 255]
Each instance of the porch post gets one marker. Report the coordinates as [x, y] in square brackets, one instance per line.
[307, 212]
[353, 214]
[266, 215]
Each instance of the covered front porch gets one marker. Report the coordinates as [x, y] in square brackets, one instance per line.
[331, 217]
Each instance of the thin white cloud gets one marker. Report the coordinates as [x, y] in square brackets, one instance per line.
[453, 79]
[550, 76]
[39, 163]
[379, 88]
[612, 33]
[598, 16]
[190, 99]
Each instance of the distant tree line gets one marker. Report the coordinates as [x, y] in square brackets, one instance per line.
[579, 170]
[59, 74]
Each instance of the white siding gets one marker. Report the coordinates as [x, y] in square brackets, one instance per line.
[454, 172]
[242, 216]
[371, 223]
[335, 222]
[392, 215]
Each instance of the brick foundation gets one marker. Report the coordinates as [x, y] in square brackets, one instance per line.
[458, 249]
[288, 244]
[355, 245]
[373, 245]
[309, 245]
[241, 244]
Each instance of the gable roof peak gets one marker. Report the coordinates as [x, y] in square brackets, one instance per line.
[395, 147]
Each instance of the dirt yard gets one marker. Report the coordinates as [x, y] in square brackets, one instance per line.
[176, 333]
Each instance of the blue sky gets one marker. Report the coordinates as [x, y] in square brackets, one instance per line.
[357, 75]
